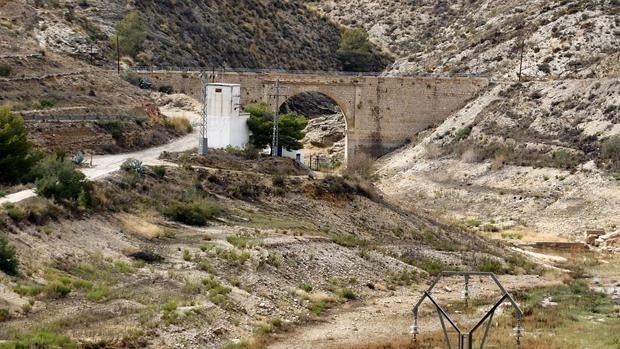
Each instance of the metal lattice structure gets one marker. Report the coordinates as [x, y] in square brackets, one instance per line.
[465, 339]
[203, 142]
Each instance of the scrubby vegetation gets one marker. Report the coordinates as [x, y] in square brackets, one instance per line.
[58, 178]
[15, 149]
[354, 50]
[610, 153]
[179, 124]
[5, 70]
[131, 32]
[8, 259]
[195, 212]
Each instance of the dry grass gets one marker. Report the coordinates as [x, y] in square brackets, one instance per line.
[179, 124]
[139, 226]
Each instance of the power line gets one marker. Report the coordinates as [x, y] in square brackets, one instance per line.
[276, 114]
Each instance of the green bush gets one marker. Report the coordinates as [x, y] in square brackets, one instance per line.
[58, 179]
[564, 159]
[114, 128]
[346, 293]
[196, 212]
[133, 165]
[131, 33]
[354, 50]
[610, 152]
[159, 171]
[15, 157]
[5, 70]
[4, 314]
[306, 287]
[8, 260]
[14, 212]
[47, 102]
[348, 240]
[167, 89]
[278, 181]
[462, 133]
[48, 339]
[489, 265]
[318, 308]
[57, 289]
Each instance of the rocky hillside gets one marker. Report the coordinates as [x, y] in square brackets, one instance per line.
[533, 157]
[267, 252]
[570, 38]
[247, 34]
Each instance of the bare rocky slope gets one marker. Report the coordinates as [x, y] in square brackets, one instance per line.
[570, 38]
[277, 251]
[237, 34]
[69, 105]
[521, 156]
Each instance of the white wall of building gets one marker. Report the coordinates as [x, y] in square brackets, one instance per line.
[226, 126]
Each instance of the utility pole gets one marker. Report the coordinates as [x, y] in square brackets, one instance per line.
[274, 141]
[521, 60]
[118, 56]
[203, 144]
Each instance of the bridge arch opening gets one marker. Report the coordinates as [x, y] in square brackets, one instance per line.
[325, 143]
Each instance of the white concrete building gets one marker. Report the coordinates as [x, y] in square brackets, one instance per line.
[226, 125]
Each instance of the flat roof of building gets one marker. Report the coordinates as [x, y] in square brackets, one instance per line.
[222, 84]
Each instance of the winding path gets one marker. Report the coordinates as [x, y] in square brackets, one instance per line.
[104, 165]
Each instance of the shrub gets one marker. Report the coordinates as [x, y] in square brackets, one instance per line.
[348, 240]
[346, 293]
[131, 32]
[179, 124]
[47, 102]
[4, 314]
[354, 50]
[147, 256]
[159, 171]
[318, 308]
[610, 152]
[8, 260]
[462, 133]
[58, 179]
[432, 266]
[489, 265]
[114, 128]
[306, 287]
[133, 165]
[278, 181]
[167, 89]
[98, 293]
[361, 165]
[15, 157]
[14, 212]
[196, 212]
[563, 159]
[40, 339]
[57, 289]
[5, 70]
[241, 241]
[218, 294]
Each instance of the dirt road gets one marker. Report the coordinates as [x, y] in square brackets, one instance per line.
[103, 165]
[383, 319]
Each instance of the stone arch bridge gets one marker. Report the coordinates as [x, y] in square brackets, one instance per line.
[381, 113]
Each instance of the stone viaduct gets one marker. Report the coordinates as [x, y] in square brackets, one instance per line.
[381, 113]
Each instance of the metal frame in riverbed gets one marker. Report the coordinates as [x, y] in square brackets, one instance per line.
[465, 339]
